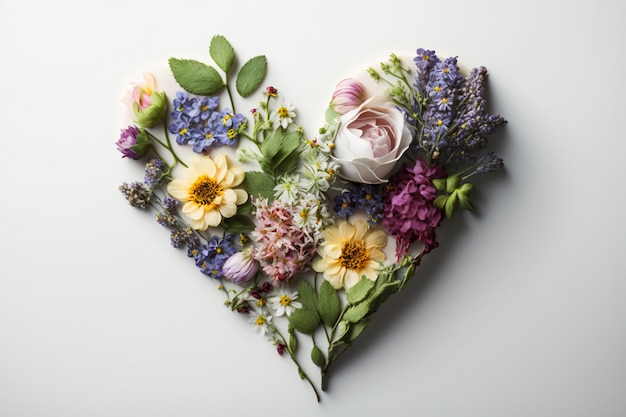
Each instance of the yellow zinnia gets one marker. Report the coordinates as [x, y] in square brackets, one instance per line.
[350, 252]
[207, 192]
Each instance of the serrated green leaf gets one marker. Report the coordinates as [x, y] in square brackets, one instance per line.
[271, 143]
[360, 290]
[251, 75]
[355, 331]
[196, 77]
[222, 52]
[307, 295]
[288, 165]
[357, 312]
[328, 304]
[304, 320]
[317, 356]
[260, 184]
[238, 223]
[290, 142]
[382, 294]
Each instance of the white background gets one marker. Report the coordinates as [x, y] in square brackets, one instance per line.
[520, 312]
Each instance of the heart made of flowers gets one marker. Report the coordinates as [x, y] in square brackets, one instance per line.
[308, 235]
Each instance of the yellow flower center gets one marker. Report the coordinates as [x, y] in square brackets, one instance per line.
[231, 133]
[226, 118]
[283, 112]
[285, 300]
[444, 100]
[260, 321]
[204, 191]
[354, 255]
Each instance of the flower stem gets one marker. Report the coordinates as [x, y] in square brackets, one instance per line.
[167, 144]
[301, 372]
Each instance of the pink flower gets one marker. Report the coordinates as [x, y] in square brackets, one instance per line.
[240, 267]
[410, 214]
[127, 143]
[370, 140]
[284, 249]
[348, 95]
[148, 105]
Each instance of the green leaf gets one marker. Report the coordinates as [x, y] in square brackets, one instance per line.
[328, 304]
[355, 331]
[307, 295]
[317, 356]
[466, 188]
[451, 204]
[238, 223]
[288, 165]
[222, 52]
[382, 294]
[440, 201]
[360, 290]
[196, 77]
[304, 320]
[259, 183]
[465, 202]
[452, 182]
[357, 312]
[289, 143]
[251, 75]
[343, 327]
[439, 183]
[331, 116]
[271, 143]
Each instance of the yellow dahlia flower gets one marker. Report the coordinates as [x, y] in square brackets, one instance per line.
[350, 252]
[207, 192]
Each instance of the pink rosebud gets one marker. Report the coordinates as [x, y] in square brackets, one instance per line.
[349, 94]
[148, 105]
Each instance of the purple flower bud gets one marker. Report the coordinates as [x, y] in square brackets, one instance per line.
[349, 94]
[127, 140]
[240, 267]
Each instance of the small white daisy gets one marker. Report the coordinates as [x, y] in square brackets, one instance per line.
[288, 188]
[260, 322]
[283, 301]
[284, 114]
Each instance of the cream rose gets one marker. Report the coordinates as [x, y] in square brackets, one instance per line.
[370, 140]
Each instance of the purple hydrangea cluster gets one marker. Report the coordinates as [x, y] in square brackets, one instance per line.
[360, 196]
[410, 214]
[454, 121]
[210, 257]
[197, 122]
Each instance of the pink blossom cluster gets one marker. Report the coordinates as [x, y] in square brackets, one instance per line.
[410, 214]
[284, 249]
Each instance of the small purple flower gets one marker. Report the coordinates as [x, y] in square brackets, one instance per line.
[128, 140]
